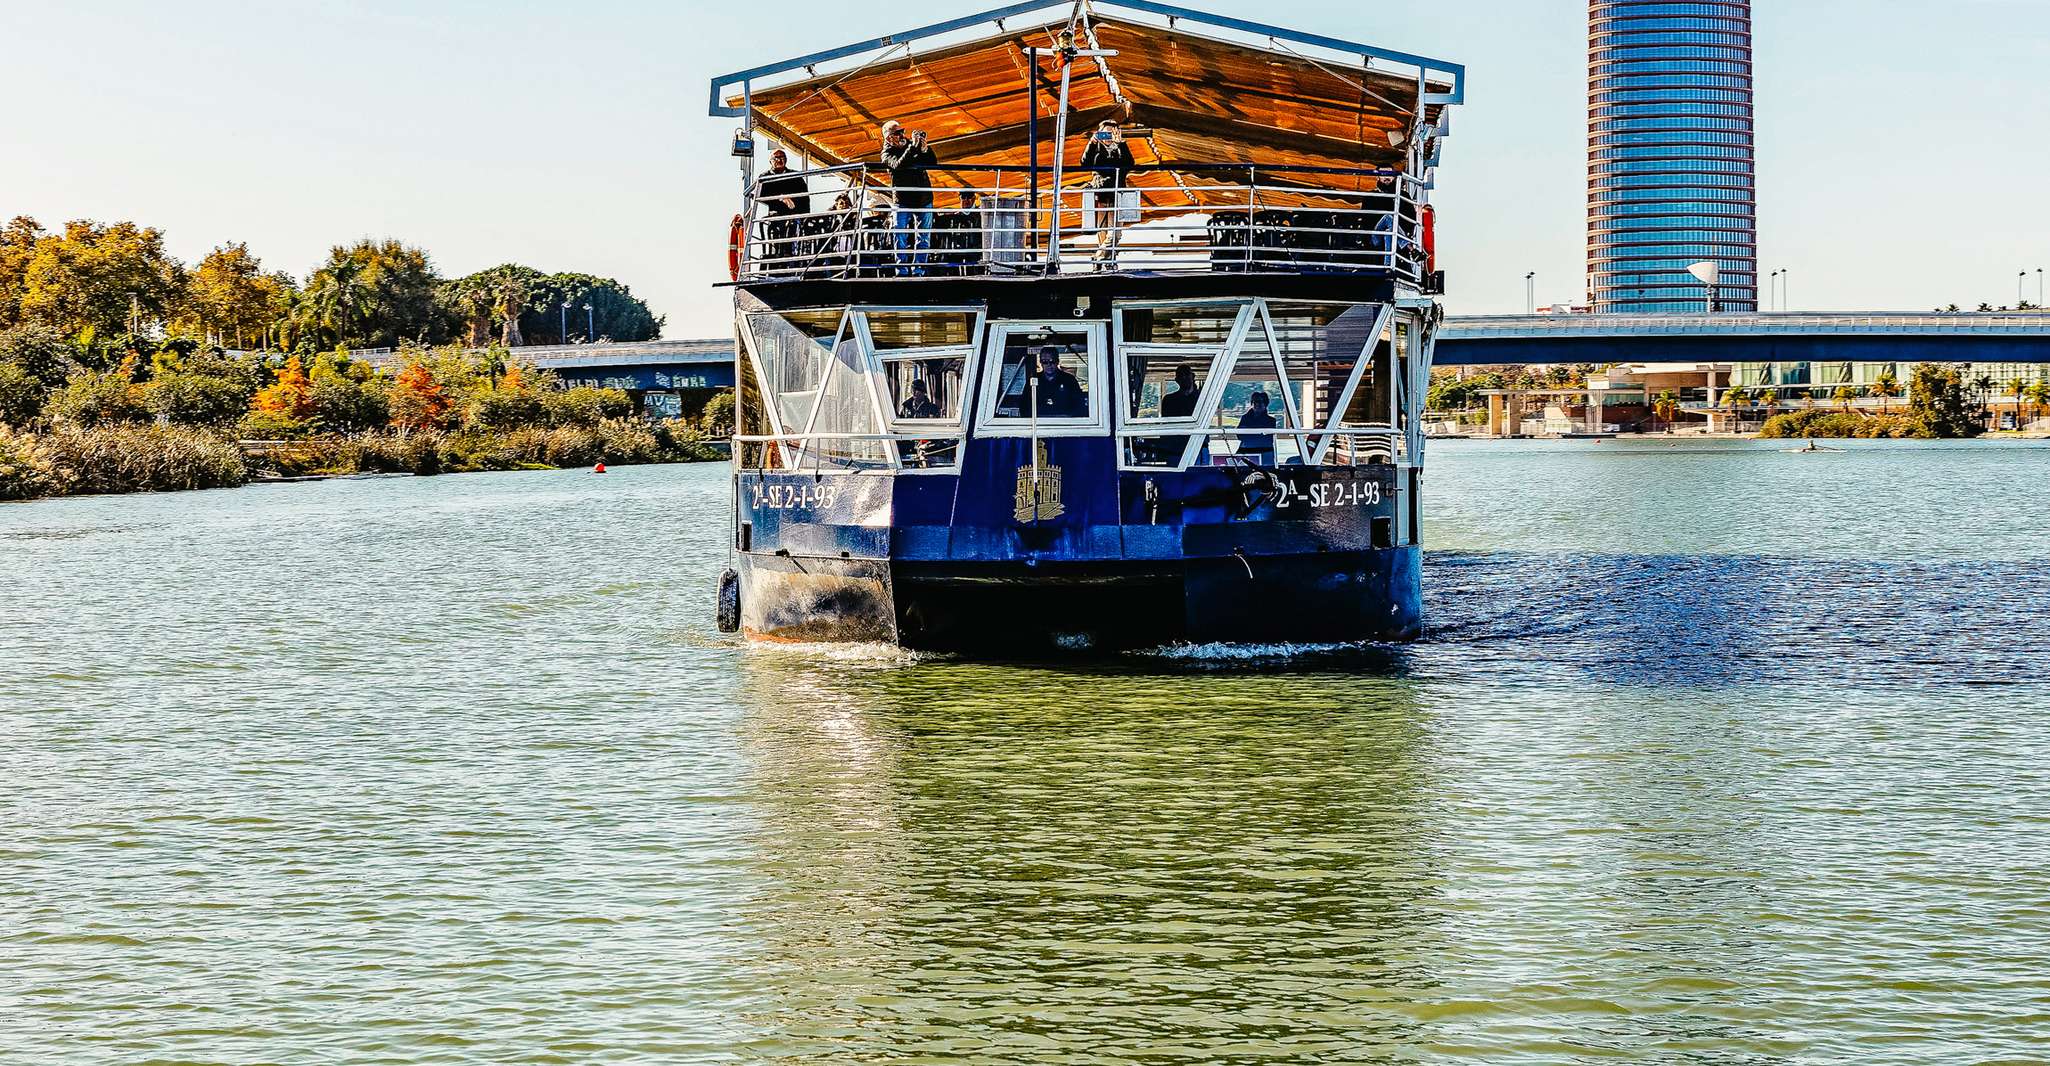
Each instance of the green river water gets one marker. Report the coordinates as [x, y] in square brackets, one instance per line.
[1714, 754]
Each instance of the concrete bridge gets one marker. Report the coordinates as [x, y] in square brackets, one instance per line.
[1793, 337]
[1786, 337]
[644, 366]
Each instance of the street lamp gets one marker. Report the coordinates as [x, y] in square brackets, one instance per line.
[1530, 292]
[1710, 275]
[1772, 297]
[590, 325]
[2021, 290]
[562, 319]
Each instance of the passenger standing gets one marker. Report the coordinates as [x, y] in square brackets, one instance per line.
[906, 158]
[785, 195]
[1110, 158]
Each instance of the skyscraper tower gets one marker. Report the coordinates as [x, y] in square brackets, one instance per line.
[1671, 177]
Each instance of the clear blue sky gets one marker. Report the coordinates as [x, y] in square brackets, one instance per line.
[1905, 145]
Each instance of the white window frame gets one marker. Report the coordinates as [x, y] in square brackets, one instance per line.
[1214, 383]
[1101, 398]
[773, 401]
[941, 429]
[1384, 322]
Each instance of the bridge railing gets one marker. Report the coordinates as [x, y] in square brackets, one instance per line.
[1770, 323]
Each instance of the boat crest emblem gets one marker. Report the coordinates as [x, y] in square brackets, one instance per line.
[1039, 490]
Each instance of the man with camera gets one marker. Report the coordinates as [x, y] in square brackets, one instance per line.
[1110, 160]
[906, 157]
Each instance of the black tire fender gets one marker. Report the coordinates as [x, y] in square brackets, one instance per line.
[729, 601]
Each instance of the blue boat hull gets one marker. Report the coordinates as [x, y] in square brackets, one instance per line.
[1308, 555]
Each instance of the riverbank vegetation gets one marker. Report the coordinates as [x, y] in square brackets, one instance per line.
[123, 369]
[191, 416]
[1941, 406]
[112, 289]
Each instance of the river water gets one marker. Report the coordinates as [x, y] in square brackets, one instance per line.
[1714, 754]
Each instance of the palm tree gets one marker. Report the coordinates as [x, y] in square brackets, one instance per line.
[2039, 397]
[1886, 387]
[1666, 406]
[2017, 389]
[1845, 395]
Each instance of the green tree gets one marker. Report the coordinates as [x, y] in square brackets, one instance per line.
[99, 399]
[96, 283]
[40, 352]
[1666, 407]
[1887, 385]
[717, 419]
[347, 397]
[616, 313]
[2039, 397]
[371, 294]
[495, 300]
[2018, 389]
[1939, 400]
[182, 399]
[1846, 395]
[21, 396]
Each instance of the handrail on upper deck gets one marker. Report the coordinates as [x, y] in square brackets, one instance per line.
[1011, 229]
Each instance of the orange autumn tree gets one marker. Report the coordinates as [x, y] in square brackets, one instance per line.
[417, 400]
[514, 380]
[290, 398]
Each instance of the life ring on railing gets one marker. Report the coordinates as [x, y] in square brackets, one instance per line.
[736, 238]
[1430, 239]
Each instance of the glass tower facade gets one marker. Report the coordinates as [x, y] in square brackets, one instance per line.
[1671, 179]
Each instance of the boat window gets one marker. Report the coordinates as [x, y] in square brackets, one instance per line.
[926, 391]
[1045, 376]
[750, 418]
[1208, 324]
[1319, 345]
[1258, 404]
[1165, 383]
[896, 330]
[794, 349]
[843, 429]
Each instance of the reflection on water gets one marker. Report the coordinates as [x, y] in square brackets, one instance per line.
[1076, 864]
[1700, 762]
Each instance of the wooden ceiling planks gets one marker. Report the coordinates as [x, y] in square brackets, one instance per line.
[1207, 101]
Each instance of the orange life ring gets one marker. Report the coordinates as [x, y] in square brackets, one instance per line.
[1430, 239]
[735, 238]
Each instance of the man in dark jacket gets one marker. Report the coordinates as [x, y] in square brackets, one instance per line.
[785, 194]
[1109, 158]
[906, 158]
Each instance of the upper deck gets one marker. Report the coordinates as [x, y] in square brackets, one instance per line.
[1254, 150]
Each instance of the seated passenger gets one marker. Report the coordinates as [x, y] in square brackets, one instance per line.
[919, 404]
[959, 233]
[1260, 447]
[1181, 403]
[1060, 395]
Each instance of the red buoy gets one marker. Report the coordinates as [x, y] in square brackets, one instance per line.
[599, 469]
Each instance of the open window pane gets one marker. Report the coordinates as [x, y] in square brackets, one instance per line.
[927, 391]
[1045, 374]
[896, 330]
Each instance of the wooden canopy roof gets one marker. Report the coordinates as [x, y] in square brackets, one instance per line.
[1200, 102]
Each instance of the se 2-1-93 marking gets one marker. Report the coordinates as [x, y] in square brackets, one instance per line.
[1323, 495]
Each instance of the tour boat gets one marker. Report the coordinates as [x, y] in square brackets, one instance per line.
[1128, 397]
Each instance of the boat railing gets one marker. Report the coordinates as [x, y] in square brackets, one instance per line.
[995, 223]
